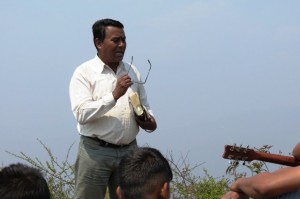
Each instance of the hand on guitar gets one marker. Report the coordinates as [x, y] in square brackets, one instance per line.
[282, 182]
[235, 195]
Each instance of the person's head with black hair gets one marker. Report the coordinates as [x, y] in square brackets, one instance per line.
[110, 41]
[19, 181]
[144, 174]
[100, 26]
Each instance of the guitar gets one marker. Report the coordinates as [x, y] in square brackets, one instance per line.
[246, 154]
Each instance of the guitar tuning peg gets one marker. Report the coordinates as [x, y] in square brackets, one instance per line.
[236, 163]
[244, 163]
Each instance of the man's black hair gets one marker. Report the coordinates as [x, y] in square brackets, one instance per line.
[100, 25]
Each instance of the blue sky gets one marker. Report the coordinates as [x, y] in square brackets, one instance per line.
[223, 72]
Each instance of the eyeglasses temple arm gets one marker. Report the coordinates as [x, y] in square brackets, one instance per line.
[130, 65]
[148, 70]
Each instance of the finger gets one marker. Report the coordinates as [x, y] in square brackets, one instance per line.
[125, 77]
[126, 84]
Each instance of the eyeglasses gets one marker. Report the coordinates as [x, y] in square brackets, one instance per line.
[140, 82]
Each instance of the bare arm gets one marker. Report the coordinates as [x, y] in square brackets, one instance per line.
[235, 195]
[269, 185]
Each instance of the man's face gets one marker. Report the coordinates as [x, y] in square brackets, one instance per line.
[112, 49]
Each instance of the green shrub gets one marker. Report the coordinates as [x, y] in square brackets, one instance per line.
[185, 184]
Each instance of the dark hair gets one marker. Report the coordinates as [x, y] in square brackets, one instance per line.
[19, 181]
[141, 171]
[100, 25]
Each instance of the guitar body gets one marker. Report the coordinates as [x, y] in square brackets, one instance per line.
[233, 152]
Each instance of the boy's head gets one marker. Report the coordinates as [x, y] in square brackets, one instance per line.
[20, 181]
[144, 174]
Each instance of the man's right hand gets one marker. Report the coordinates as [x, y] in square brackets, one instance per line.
[123, 83]
[234, 195]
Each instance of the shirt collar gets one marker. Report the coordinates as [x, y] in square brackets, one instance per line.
[101, 64]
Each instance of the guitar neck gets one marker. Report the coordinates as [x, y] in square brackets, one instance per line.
[277, 159]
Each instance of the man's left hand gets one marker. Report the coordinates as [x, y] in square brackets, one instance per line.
[149, 124]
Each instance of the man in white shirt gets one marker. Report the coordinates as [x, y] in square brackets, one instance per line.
[99, 93]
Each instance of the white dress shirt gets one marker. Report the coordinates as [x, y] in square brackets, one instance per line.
[95, 109]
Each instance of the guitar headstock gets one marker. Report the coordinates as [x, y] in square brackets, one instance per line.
[234, 152]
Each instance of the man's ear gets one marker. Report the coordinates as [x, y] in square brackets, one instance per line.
[119, 192]
[165, 191]
[98, 43]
